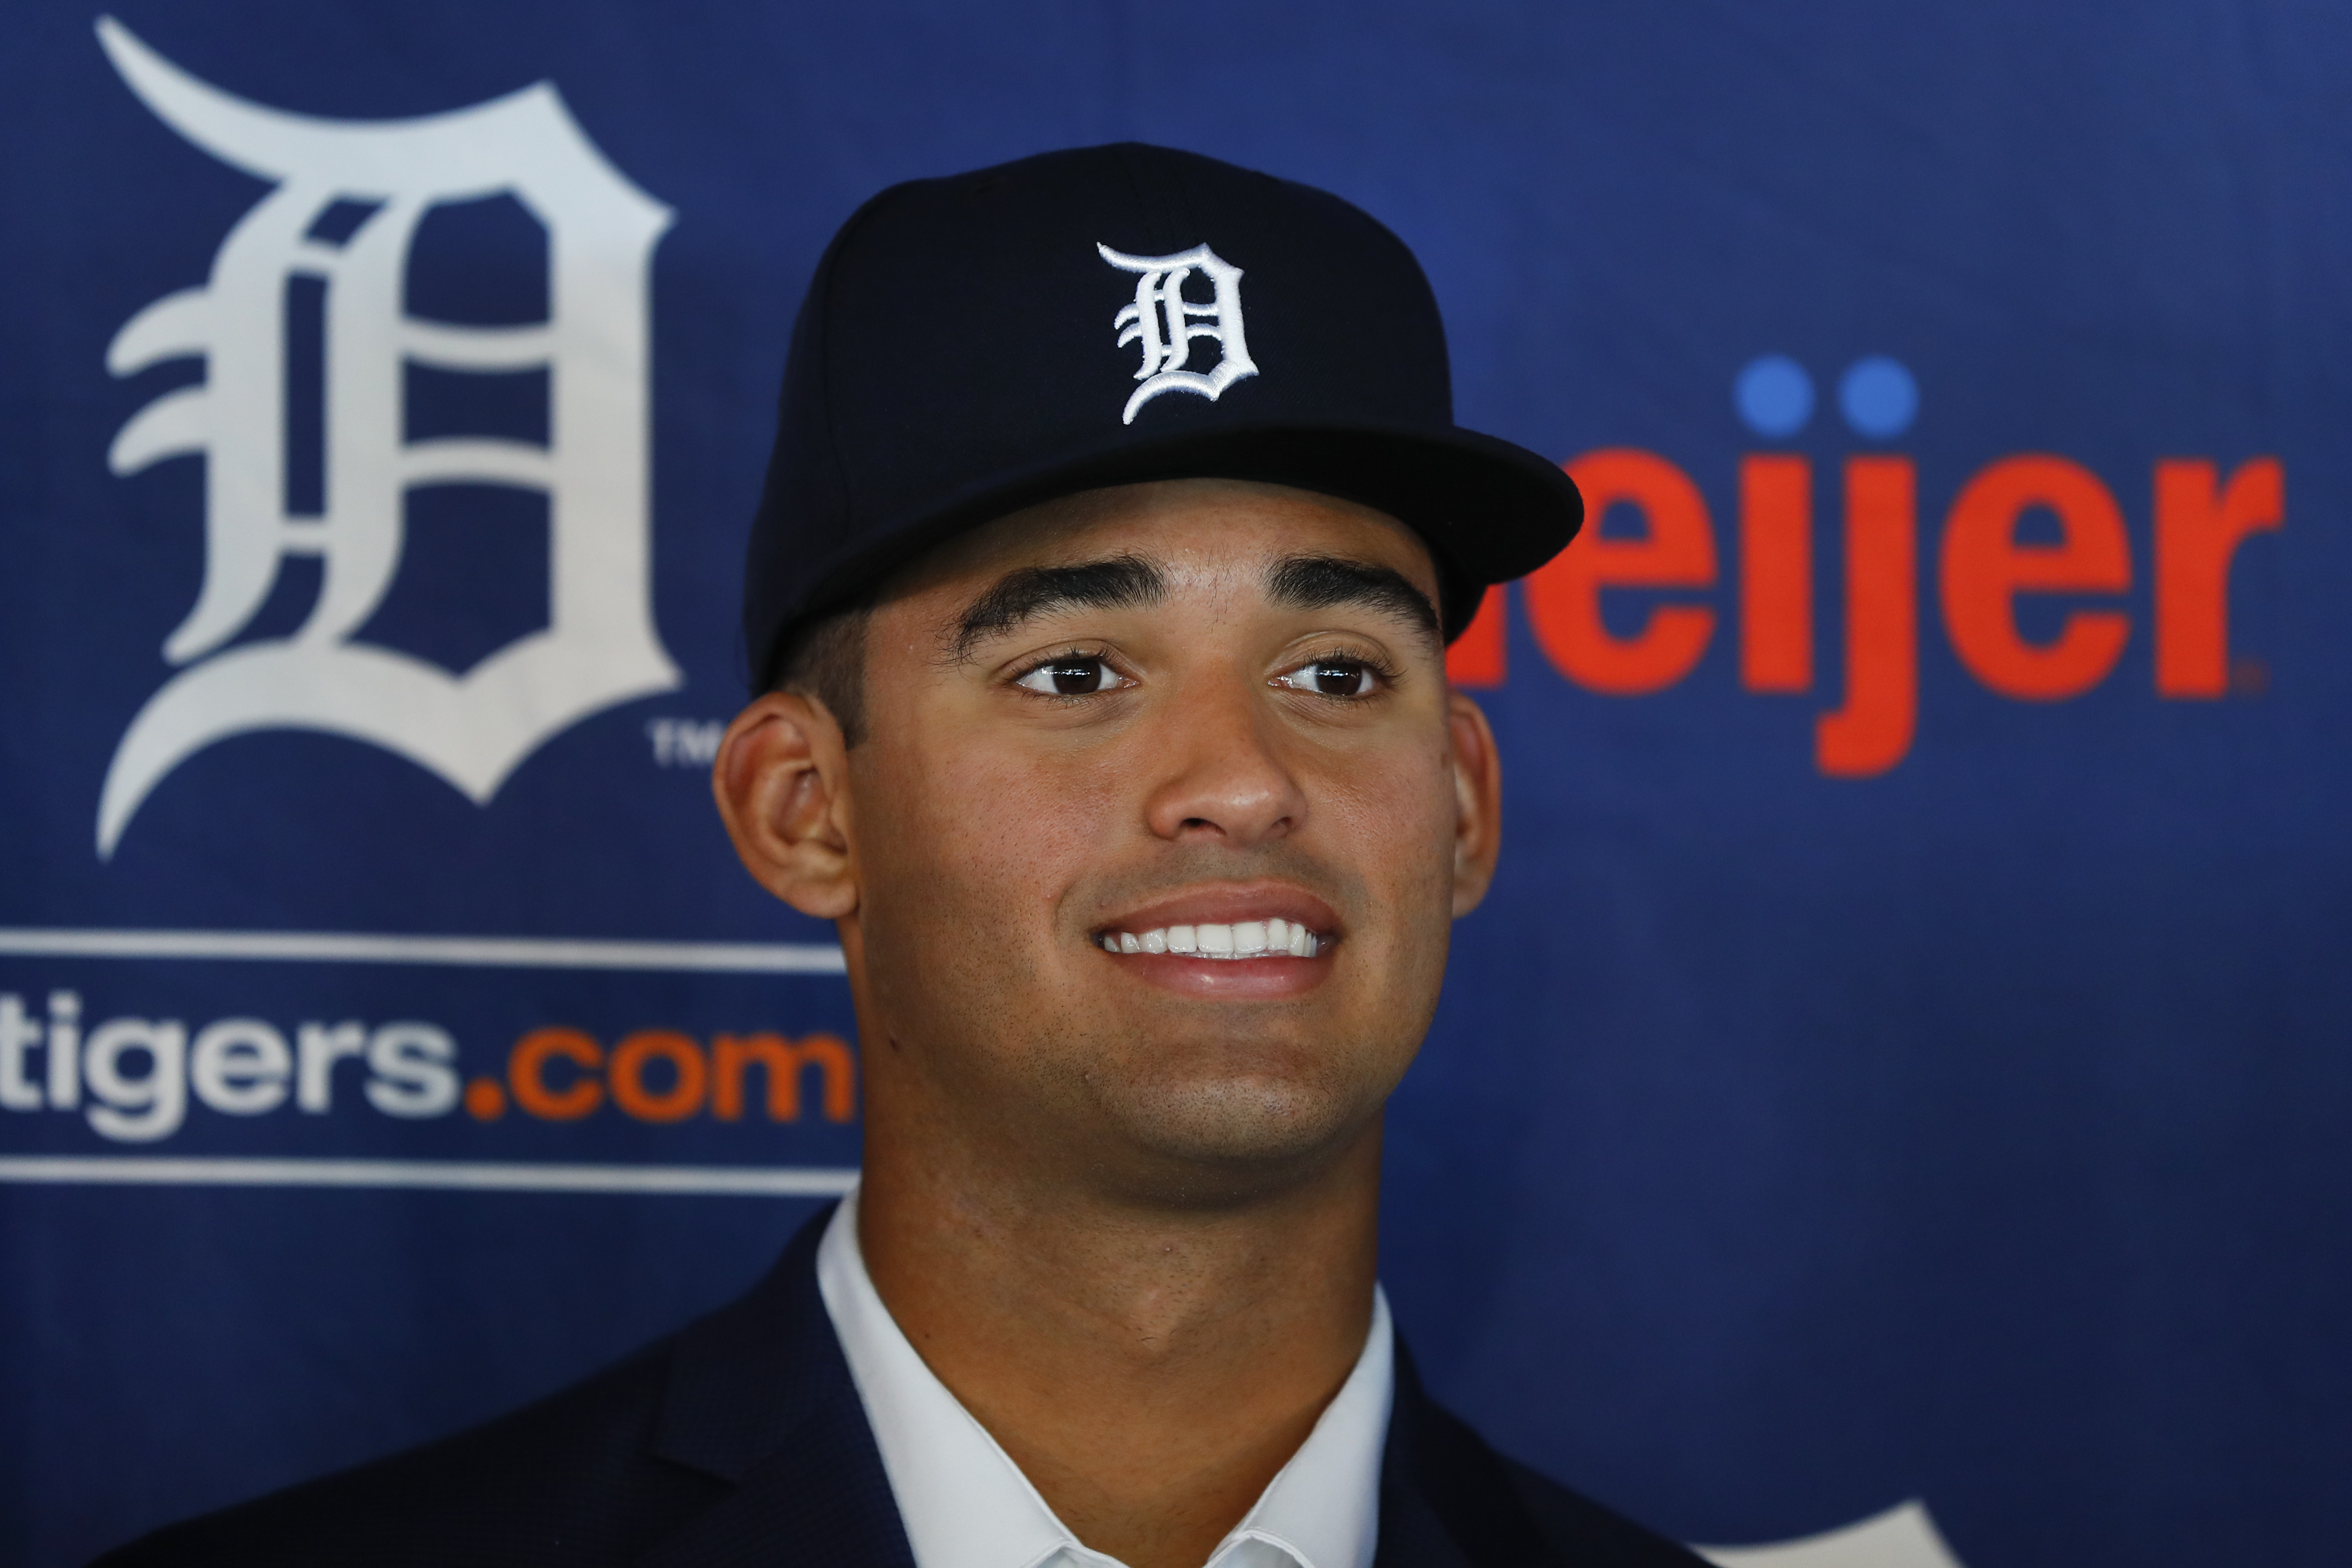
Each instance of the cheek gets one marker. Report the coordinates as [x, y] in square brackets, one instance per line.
[1398, 814]
[976, 839]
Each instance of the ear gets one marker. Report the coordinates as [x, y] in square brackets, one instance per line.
[781, 781]
[1477, 801]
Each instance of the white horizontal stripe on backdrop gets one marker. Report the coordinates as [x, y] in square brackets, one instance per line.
[493, 952]
[462, 1176]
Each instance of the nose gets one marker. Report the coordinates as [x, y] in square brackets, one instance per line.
[1220, 776]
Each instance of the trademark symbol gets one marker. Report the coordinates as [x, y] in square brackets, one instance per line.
[2250, 676]
[685, 742]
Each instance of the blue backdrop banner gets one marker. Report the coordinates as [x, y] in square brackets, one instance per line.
[1900, 1083]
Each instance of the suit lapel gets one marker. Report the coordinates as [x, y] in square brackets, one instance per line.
[758, 1395]
[1412, 1536]
[1445, 1499]
[820, 1500]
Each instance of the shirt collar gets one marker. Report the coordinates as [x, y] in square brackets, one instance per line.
[967, 1505]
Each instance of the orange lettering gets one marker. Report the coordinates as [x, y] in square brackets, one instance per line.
[1985, 569]
[1480, 656]
[1873, 732]
[2197, 537]
[1563, 597]
[628, 1076]
[485, 1101]
[1776, 573]
[781, 1060]
[526, 1067]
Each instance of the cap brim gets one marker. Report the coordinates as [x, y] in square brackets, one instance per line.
[1488, 510]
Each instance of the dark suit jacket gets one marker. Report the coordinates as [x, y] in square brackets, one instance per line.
[741, 1443]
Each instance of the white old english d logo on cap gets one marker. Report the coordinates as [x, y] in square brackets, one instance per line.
[1165, 323]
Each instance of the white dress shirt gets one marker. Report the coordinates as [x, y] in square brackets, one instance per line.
[967, 1505]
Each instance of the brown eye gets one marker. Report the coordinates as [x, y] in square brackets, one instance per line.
[1332, 677]
[1070, 676]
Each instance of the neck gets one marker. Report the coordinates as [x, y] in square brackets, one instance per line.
[1149, 1365]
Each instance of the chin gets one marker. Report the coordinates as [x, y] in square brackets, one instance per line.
[1217, 1139]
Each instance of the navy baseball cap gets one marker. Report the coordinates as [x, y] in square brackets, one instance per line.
[983, 342]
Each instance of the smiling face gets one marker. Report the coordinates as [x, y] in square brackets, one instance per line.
[1148, 857]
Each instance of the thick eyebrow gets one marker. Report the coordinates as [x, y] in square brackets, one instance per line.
[1327, 581]
[1118, 582]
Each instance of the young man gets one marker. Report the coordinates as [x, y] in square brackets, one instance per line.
[1116, 527]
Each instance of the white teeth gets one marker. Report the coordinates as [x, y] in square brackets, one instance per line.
[1241, 939]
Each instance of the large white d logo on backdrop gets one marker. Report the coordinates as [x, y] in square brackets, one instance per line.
[599, 647]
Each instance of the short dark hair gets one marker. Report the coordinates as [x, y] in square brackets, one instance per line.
[827, 660]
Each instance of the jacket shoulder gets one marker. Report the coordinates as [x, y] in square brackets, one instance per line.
[1581, 1532]
[570, 1479]
[1450, 1498]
